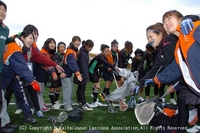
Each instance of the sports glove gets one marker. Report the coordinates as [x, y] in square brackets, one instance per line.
[153, 81]
[148, 81]
[187, 26]
[35, 85]
[169, 112]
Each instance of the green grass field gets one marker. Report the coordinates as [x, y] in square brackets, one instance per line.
[99, 118]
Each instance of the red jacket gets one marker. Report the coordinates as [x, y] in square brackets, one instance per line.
[38, 57]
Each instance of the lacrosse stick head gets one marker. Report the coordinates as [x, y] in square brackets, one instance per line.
[62, 116]
[144, 112]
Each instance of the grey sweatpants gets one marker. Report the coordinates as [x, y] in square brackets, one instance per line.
[67, 88]
[4, 117]
[40, 95]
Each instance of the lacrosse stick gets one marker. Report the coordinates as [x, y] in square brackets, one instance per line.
[111, 108]
[159, 102]
[113, 73]
[168, 91]
[54, 119]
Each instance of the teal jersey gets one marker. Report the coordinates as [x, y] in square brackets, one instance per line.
[4, 32]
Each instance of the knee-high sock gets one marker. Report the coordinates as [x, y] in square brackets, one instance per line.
[106, 91]
[57, 94]
[51, 96]
[95, 94]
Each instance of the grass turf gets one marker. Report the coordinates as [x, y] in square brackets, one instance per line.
[99, 118]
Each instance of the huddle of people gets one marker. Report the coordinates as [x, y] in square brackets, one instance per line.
[26, 71]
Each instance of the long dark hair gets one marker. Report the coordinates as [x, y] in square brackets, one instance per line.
[46, 46]
[32, 29]
[26, 33]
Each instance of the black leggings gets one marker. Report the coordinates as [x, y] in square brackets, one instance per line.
[31, 91]
[183, 114]
[147, 90]
[80, 93]
[156, 91]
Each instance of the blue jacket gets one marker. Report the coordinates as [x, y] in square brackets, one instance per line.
[186, 63]
[70, 66]
[17, 66]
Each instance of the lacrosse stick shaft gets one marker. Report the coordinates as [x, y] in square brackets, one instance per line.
[115, 80]
[170, 89]
[54, 126]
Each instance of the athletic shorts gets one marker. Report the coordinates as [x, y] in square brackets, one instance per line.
[50, 83]
[94, 78]
[107, 76]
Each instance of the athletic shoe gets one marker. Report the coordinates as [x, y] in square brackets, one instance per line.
[32, 110]
[56, 106]
[45, 109]
[172, 101]
[18, 111]
[39, 114]
[140, 99]
[97, 103]
[57, 103]
[92, 105]
[69, 108]
[80, 104]
[74, 104]
[194, 129]
[30, 120]
[102, 97]
[93, 96]
[86, 107]
[6, 129]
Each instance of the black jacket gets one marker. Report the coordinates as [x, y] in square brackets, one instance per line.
[135, 64]
[147, 61]
[82, 62]
[124, 58]
[164, 56]
[97, 63]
